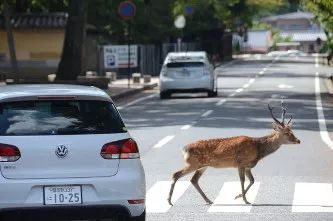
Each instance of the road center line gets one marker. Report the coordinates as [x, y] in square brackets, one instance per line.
[164, 141]
[239, 90]
[207, 113]
[222, 101]
[246, 85]
[252, 80]
[136, 101]
[321, 118]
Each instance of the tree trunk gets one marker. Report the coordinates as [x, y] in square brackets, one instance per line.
[72, 59]
[10, 41]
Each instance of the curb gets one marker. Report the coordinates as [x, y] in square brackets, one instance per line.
[133, 91]
[329, 85]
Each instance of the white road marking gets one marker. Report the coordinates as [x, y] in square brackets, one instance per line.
[246, 85]
[313, 197]
[282, 86]
[156, 199]
[136, 101]
[186, 127]
[222, 101]
[252, 80]
[164, 141]
[225, 201]
[265, 69]
[207, 113]
[233, 94]
[261, 72]
[321, 118]
[317, 62]
[239, 90]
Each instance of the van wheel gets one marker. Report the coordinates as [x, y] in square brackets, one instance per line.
[165, 95]
[212, 93]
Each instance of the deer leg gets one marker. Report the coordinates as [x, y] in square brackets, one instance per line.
[241, 172]
[195, 183]
[250, 177]
[176, 176]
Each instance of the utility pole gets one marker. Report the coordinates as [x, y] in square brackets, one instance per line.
[10, 41]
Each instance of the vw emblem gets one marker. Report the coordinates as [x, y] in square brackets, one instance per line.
[61, 151]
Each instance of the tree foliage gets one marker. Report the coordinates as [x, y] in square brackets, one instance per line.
[322, 9]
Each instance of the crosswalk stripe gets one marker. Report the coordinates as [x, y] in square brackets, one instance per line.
[313, 197]
[225, 201]
[156, 198]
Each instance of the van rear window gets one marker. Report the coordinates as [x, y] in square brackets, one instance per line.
[185, 64]
[59, 117]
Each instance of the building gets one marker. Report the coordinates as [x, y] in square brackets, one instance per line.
[39, 39]
[304, 32]
[258, 41]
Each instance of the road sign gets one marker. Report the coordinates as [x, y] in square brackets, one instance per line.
[189, 10]
[127, 9]
[116, 56]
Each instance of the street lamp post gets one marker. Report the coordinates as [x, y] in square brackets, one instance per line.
[180, 23]
[127, 11]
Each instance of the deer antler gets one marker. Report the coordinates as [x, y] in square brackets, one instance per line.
[276, 120]
[284, 110]
[291, 117]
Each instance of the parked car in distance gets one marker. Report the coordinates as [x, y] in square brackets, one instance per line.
[277, 53]
[65, 153]
[187, 72]
[294, 53]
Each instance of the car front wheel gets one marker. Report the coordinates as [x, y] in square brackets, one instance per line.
[212, 93]
[165, 95]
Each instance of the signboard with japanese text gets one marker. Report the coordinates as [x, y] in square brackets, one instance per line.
[116, 56]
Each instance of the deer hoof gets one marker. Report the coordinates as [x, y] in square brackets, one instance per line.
[247, 202]
[169, 201]
[209, 202]
[238, 196]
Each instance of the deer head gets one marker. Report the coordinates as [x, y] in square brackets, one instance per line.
[286, 135]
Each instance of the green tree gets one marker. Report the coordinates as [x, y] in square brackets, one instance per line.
[322, 9]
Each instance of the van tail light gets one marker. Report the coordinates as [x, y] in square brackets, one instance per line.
[122, 149]
[9, 153]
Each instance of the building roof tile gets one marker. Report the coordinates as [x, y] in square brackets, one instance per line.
[37, 20]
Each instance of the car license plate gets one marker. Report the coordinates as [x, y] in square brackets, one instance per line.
[58, 195]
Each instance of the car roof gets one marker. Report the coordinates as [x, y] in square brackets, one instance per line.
[15, 92]
[186, 56]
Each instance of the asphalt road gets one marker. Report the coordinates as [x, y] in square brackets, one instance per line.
[294, 183]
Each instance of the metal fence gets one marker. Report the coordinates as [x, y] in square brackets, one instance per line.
[151, 57]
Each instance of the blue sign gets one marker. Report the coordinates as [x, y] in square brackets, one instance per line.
[189, 10]
[127, 9]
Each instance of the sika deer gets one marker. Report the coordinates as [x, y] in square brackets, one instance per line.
[240, 152]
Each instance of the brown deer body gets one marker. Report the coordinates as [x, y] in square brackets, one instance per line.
[240, 152]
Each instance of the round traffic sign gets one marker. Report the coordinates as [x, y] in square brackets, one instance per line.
[127, 9]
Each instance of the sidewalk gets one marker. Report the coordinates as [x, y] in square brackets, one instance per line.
[119, 88]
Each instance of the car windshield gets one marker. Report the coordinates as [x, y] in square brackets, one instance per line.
[185, 65]
[56, 117]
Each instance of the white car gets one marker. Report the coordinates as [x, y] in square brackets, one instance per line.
[187, 72]
[65, 153]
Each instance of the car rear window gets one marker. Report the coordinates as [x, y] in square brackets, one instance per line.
[59, 117]
[185, 64]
